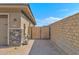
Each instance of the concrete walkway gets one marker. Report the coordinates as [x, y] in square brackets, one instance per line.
[45, 47]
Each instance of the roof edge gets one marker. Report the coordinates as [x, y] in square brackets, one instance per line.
[27, 17]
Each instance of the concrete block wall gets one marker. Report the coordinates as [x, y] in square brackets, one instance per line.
[65, 34]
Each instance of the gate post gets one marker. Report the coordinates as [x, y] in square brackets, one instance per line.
[40, 33]
[49, 32]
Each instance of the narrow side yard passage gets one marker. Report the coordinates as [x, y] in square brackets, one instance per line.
[45, 47]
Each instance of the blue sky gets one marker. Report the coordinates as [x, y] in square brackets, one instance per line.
[47, 13]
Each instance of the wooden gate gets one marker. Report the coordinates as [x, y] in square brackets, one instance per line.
[40, 32]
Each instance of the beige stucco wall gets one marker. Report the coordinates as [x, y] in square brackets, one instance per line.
[27, 22]
[12, 22]
[65, 34]
[30, 30]
[13, 13]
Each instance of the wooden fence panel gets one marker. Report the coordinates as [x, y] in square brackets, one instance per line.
[40, 32]
[45, 32]
[35, 32]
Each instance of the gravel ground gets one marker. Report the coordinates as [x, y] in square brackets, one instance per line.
[44, 47]
[22, 50]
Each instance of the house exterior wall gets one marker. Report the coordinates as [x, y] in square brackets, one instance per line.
[30, 31]
[24, 22]
[16, 25]
[65, 34]
[3, 29]
[14, 20]
[14, 28]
